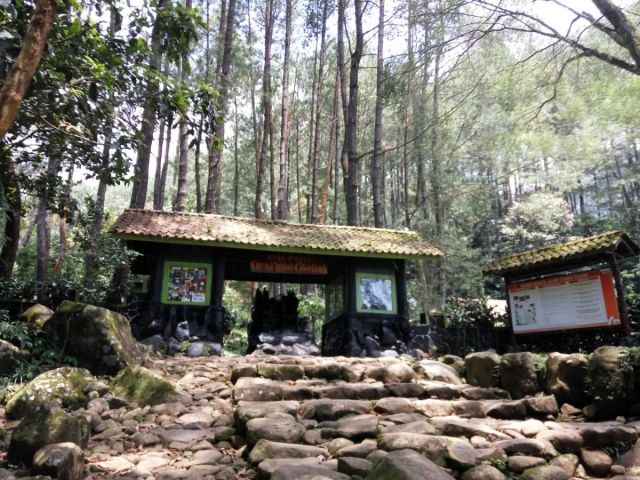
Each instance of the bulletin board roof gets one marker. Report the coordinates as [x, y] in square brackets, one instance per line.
[571, 253]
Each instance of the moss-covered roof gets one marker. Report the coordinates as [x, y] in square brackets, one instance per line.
[248, 233]
[614, 242]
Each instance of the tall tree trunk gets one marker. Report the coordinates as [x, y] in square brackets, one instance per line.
[11, 192]
[43, 246]
[196, 165]
[344, 95]
[255, 76]
[157, 204]
[62, 226]
[90, 267]
[19, 77]
[336, 168]
[315, 164]
[43, 225]
[298, 192]
[436, 181]
[351, 128]
[140, 184]
[165, 164]
[312, 120]
[405, 167]
[216, 147]
[272, 171]
[207, 68]
[378, 154]
[283, 200]
[236, 175]
[183, 137]
[13, 90]
[324, 199]
[266, 107]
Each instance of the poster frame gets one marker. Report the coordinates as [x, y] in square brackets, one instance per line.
[168, 264]
[378, 276]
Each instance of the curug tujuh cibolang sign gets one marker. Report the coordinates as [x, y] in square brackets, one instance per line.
[289, 264]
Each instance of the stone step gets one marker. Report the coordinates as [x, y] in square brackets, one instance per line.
[259, 389]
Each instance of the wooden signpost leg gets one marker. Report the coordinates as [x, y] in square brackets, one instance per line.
[622, 307]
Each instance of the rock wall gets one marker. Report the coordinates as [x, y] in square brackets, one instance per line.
[602, 385]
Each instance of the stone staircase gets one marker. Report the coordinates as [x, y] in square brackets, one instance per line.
[345, 415]
[297, 418]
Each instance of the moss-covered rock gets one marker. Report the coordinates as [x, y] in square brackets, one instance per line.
[519, 374]
[66, 387]
[482, 369]
[100, 339]
[43, 428]
[36, 315]
[10, 357]
[144, 387]
[566, 376]
[455, 361]
[611, 379]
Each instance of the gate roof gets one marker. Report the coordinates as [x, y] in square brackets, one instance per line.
[273, 236]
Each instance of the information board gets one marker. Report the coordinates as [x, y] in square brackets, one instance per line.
[581, 300]
[186, 283]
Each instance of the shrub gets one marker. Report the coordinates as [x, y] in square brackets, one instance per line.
[31, 338]
[470, 313]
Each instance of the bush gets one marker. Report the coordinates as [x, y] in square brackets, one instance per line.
[44, 355]
[312, 306]
[473, 312]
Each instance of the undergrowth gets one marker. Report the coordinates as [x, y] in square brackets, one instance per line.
[42, 354]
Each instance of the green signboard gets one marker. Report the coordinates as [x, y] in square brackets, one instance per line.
[186, 283]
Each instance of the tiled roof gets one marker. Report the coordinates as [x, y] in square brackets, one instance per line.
[608, 242]
[247, 233]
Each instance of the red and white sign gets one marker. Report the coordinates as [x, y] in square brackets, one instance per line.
[581, 300]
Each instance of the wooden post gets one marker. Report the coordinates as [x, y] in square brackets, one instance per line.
[401, 293]
[507, 282]
[622, 307]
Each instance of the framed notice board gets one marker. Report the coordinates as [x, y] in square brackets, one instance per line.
[186, 283]
[581, 300]
[376, 293]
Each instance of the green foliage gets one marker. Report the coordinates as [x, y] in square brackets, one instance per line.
[312, 306]
[236, 342]
[631, 282]
[237, 314]
[618, 387]
[71, 282]
[43, 354]
[237, 305]
[538, 220]
[470, 313]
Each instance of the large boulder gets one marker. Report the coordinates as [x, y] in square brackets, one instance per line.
[45, 427]
[482, 369]
[441, 372]
[611, 380]
[100, 339]
[66, 387]
[64, 461]
[10, 357]
[566, 378]
[519, 374]
[144, 387]
[36, 315]
[406, 465]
